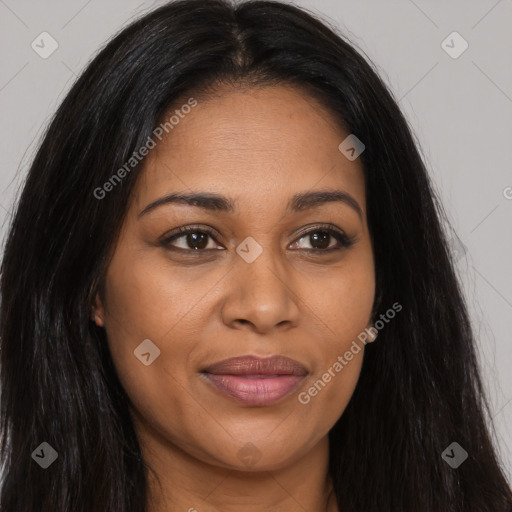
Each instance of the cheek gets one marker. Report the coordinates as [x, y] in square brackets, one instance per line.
[157, 390]
[338, 362]
[147, 299]
[342, 308]
[327, 393]
[342, 298]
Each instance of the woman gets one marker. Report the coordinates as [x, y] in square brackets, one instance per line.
[226, 287]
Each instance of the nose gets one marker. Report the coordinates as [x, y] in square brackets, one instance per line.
[262, 295]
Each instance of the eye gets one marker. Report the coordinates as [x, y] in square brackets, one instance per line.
[191, 239]
[200, 239]
[321, 238]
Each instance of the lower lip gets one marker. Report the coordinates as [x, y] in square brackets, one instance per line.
[255, 390]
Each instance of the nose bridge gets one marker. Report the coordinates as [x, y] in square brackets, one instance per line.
[262, 293]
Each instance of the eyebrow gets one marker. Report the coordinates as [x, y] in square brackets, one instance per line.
[219, 203]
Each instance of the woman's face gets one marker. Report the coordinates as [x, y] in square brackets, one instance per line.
[269, 280]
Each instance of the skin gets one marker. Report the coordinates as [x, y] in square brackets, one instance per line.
[258, 147]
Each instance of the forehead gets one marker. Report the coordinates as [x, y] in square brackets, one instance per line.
[254, 143]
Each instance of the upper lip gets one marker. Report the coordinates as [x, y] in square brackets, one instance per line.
[253, 365]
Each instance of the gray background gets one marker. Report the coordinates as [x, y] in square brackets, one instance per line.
[460, 110]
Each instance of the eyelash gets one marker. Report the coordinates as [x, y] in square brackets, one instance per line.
[343, 239]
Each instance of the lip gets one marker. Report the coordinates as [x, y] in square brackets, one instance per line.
[256, 381]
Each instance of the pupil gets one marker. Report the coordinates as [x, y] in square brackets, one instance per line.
[323, 238]
[193, 238]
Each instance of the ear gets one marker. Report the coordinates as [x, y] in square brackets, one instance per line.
[98, 312]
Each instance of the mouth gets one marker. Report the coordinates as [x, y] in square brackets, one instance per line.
[255, 381]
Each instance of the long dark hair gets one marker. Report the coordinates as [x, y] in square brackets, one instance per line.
[420, 387]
